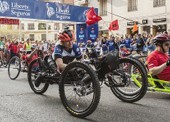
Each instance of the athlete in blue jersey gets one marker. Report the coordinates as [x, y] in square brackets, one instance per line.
[111, 45]
[127, 41]
[104, 47]
[65, 52]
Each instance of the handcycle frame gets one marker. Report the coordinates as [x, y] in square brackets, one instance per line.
[113, 84]
[23, 65]
[48, 77]
[154, 84]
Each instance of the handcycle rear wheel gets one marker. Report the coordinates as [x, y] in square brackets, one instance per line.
[79, 93]
[136, 85]
[35, 69]
[14, 67]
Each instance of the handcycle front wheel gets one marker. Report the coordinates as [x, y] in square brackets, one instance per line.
[14, 67]
[36, 69]
[136, 81]
[79, 89]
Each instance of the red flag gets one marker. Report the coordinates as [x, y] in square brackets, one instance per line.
[92, 17]
[114, 25]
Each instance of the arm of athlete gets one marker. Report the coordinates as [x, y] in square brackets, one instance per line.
[32, 54]
[60, 64]
[157, 69]
[152, 64]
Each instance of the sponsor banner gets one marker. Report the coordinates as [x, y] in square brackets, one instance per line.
[42, 10]
[81, 33]
[16, 8]
[9, 21]
[92, 32]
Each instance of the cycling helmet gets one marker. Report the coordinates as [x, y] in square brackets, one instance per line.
[161, 38]
[66, 36]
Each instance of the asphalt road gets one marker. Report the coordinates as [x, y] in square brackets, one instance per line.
[18, 103]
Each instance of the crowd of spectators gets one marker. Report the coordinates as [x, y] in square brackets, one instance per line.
[10, 48]
[126, 45]
[137, 44]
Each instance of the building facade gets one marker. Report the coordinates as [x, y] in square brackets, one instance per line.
[43, 30]
[151, 16]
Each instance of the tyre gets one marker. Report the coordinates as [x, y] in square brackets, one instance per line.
[1, 63]
[36, 70]
[14, 67]
[136, 81]
[142, 61]
[79, 89]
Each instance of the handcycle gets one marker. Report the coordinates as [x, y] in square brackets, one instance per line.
[121, 79]
[19, 64]
[154, 83]
[79, 88]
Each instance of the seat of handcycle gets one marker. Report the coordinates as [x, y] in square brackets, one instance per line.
[154, 77]
[156, 82]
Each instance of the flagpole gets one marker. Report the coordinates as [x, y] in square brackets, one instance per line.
[107, 26]
[123, 17]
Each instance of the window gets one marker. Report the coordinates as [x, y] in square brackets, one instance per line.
[49, 27]
[41, 26]
[157, 3]
[103, 7]
[43, 36]
[31, 26]
[56, 26]
[31, 37]
[132, 5]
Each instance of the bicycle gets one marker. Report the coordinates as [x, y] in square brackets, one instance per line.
[79, 88]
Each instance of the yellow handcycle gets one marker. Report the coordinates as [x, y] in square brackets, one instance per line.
[154, 83]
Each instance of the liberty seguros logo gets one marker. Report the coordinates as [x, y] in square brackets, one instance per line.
[50, 10]
[4, 6]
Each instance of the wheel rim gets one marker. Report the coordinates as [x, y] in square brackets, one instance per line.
[131, 89]
[14, 68]
[34, 73]
[79, 96]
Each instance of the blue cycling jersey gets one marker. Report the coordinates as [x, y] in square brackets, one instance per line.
[111, 45]
[67, 55]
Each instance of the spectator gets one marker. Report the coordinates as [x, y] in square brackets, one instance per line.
[150, 45]
[104, 46]
[13, 49]
[27, 46]
[111, 43]
[140, 43]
